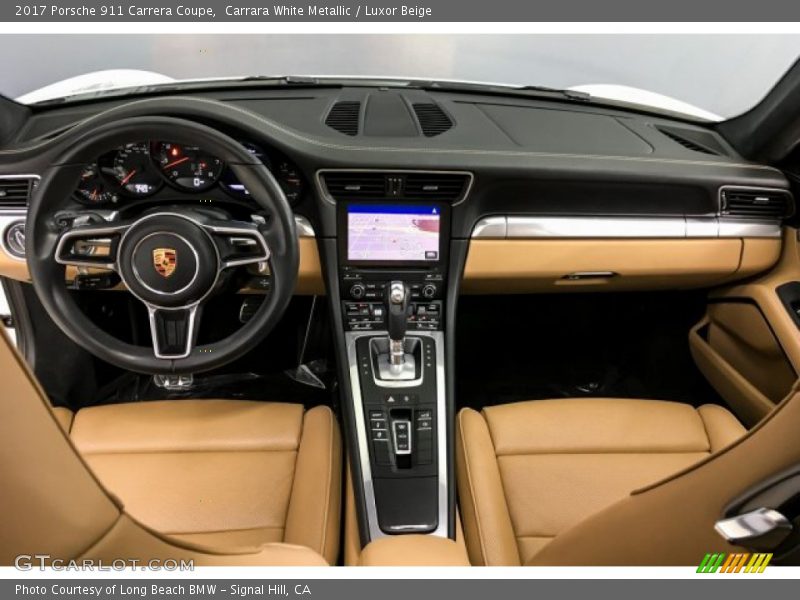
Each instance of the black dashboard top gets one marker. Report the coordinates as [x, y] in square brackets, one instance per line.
[525, 155]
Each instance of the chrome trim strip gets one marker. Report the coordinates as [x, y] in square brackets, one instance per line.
[375, 531]
[304, 227]
[322, 190]
[538, 227]
[736, 228]
[491, 227]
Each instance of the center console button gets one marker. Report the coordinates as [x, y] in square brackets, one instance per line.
[357, 291]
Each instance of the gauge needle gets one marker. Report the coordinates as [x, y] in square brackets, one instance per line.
[175, 163]
[128, 177]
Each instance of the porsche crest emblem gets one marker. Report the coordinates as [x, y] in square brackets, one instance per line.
[165, 260]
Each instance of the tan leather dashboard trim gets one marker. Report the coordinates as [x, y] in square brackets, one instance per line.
[528, 265]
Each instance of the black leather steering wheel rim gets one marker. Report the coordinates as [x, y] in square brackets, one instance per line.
[48, 275]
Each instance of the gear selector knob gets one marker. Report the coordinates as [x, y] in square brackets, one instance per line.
[397, 310]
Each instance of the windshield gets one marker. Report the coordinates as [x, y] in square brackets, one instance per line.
[712, 77]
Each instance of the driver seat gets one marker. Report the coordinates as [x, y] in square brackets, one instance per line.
[219, 482]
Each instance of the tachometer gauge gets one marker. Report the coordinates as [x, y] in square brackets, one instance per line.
[133, 170]
[93, 189]
[187, 167]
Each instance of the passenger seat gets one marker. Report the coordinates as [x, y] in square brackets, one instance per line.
[530, 470]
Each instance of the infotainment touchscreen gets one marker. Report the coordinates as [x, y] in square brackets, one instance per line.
[393, 233]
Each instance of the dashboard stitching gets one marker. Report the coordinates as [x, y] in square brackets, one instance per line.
[332, 146]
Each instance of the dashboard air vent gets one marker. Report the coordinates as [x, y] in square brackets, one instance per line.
[435, 186]
[742, 202]
[15, 193]
[349, 185]
[344, 117]
[399, 185]
[432, 119]
[682, 137]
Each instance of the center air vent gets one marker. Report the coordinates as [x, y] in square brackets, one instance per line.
[15, 193]
[344, 117]
[432, 119]
[744, 202]
[404, 185]
[435, 186]
[346, 185]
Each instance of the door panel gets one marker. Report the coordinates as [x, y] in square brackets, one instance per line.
[748, 346]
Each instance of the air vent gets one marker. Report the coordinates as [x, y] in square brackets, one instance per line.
[432, 119]
[344, 116]
[756, 203]
[434, 186]
[401, 185]
[683, 139]
[353, 185]
[14, 193]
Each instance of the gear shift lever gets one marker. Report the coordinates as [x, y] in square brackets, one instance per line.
[397, 315]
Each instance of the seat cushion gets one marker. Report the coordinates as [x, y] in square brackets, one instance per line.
[220, 472]
[528, 471]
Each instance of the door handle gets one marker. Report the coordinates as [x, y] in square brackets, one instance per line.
[759, 529]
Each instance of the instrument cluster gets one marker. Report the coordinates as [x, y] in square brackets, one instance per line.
[141, 169]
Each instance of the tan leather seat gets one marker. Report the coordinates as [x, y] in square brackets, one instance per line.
[225, 473]
[531, 470]
[197, 469]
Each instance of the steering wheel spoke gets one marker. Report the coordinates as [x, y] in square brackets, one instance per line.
[239, 243]
[174, 331]
[92, 245]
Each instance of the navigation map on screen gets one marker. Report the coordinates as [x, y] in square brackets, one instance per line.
[393, 233]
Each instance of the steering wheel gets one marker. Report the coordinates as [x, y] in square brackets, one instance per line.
[171, 259]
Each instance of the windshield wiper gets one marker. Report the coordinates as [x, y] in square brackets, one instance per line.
[483, 88]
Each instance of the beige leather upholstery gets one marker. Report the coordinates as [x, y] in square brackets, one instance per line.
[53, 504]
[531, 470]
[414, 551]
[219, 472]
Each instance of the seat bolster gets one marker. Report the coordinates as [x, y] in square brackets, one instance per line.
[64, 416]
[315, 502]
[487, 523]
[721, 426]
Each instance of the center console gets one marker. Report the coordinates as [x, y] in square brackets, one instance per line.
[393, 278]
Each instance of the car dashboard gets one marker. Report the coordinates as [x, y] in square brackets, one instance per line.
[421, 196]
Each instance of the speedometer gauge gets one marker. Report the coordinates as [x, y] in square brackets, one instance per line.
[133, 170]
[187, 167]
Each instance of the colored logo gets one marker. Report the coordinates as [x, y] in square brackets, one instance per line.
[719, 562]
[165, 260]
